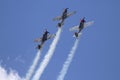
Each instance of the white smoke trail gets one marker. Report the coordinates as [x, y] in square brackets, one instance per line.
[47, 56]
[33, 66]
[68, 61]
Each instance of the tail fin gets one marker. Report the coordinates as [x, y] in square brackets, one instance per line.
[77, 34]
[39, 47]
[60, 24]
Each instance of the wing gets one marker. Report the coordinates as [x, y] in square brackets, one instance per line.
[57, 18]
[88, 23]
[74, 28]
[38, 40]
[70, 14]
[50, 36]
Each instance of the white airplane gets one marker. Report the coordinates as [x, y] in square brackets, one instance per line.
[44, 38]
[79, 28]
[64, 15]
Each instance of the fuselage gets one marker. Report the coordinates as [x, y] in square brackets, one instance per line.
[81, 26]
[44, 38]
[64, 15]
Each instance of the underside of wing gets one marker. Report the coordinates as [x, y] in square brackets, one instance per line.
[74, 28]
[50, 36]
[57, 18]
[38, 40]
[88, 23]
[70, 14]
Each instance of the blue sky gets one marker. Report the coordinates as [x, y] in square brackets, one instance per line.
[97, 56]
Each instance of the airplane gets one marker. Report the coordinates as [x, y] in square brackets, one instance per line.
[81, 26]
[44, 38]
[64, 15]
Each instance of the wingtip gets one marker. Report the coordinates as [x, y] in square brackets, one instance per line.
[92, 22]
[70, 29]
[75, 12]
[35, 40]
[53, 19]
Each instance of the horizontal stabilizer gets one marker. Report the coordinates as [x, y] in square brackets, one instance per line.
[60, 24]
[78, 35]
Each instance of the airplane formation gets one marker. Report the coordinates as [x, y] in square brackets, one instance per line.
[46, 36]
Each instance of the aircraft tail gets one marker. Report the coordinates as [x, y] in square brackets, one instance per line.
[38, 47]
[77, 34]
[60, 24]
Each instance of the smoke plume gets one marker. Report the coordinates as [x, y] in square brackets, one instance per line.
[48, 56]
[68, 61]
[33, 66]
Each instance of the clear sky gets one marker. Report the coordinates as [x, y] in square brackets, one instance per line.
[97, 56]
